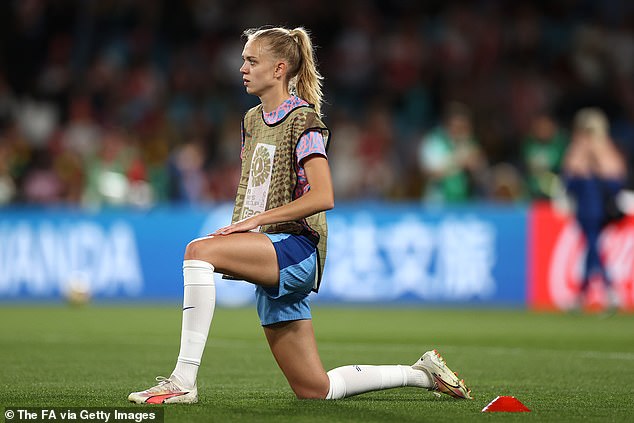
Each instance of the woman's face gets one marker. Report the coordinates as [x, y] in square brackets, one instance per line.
[259, 71]
[459, 128]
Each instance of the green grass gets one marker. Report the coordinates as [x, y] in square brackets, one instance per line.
[563, 367]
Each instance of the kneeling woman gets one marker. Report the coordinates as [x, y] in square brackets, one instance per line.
[277, 240]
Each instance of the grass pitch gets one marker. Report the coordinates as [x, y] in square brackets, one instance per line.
[563, 367]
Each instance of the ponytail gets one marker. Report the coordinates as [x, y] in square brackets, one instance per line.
[296, 47]
[308, 79]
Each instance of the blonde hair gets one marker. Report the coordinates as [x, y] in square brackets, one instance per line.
[294, 46]
[593, 120]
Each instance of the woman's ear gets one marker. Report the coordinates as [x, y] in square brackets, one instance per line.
[280, 70]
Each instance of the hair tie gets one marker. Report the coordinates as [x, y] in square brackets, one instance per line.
[294, 36]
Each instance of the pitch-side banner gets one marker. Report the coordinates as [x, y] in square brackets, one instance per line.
[377, 253]
[556, 255]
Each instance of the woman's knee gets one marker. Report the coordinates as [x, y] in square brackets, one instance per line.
[200, 249]
[310, 392]
[317, 388]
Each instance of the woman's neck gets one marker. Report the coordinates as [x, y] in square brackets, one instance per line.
[273, 99]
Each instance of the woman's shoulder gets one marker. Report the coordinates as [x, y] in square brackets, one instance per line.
[251, 115]
[306, 112]
[253, 111]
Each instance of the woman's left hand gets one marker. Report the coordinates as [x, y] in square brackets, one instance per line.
[242, 226]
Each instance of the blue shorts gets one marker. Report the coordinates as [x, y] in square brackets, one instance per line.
[297, 260]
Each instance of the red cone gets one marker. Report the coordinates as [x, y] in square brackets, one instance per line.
[506, 404]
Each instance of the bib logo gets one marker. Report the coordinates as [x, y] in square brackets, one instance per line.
[259, 180]
[39, 258]
[261, 165]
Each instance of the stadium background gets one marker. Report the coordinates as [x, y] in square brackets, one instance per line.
[119, 138]
[119, 143]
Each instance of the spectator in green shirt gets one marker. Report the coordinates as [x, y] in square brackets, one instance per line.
[543, 151]
[450, 158]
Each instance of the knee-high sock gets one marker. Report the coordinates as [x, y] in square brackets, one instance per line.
[199, 301]
[347, 381]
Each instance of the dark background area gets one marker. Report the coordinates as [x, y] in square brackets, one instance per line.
[139, 102]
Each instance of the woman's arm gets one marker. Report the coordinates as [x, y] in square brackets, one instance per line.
[319, 198]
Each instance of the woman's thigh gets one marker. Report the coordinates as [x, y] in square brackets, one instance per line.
[248, 256]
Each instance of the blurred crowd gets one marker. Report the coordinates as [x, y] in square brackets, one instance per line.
[119, 102]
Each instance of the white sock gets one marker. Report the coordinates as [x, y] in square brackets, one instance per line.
[347, 381]
[199, 300]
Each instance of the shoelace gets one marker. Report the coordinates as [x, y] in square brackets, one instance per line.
[163, 384]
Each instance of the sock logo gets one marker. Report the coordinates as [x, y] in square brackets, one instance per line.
[187, 308]
[357, 368]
